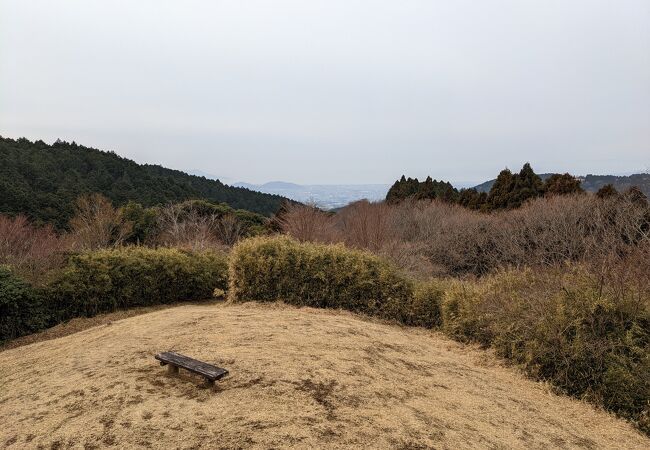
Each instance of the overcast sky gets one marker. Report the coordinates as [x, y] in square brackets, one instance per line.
[335, 91]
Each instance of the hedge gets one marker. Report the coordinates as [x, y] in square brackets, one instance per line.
[327, 276]
[112, 279]
[108, 280]
[21, 307]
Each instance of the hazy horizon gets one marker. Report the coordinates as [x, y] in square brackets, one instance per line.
[335, 92]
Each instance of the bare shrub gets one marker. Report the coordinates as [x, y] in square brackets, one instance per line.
[434, 238]
[30, 250]
[307, 223]
[97, 224]
[548, 231]
[229, 230]
[365, 225]
[180, 227]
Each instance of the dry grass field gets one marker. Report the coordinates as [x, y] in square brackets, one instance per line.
[301, 378]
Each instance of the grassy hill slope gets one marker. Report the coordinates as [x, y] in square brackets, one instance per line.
[298, 378]
[44, 180]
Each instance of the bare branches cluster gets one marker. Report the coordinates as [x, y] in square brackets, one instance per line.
[430, 237]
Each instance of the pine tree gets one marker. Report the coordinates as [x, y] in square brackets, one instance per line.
[562, 184]
[500, 193]
[527, 185]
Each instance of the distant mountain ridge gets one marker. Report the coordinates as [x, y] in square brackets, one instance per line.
[43, 181]
[591, 183]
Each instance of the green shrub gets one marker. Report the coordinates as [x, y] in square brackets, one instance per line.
[111, 279]
[327, 276]
[460, 313]
[587, 338]
[21, 307]
[423, 309]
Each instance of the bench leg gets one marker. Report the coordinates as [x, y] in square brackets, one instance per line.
[172, 369]
[209, 383]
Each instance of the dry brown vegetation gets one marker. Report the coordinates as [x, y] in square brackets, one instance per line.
[183, 228]
[437, 238]
[298, 378]
[31, 250]
[97, 224]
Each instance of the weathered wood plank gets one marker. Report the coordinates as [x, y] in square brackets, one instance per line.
[209, 371]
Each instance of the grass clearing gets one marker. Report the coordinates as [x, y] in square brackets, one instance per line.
[299, 377]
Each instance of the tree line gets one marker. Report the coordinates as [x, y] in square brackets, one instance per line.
[509, 190]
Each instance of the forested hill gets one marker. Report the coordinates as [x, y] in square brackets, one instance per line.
[44, 180]
[591, 183]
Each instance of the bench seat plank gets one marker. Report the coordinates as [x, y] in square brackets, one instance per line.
[207, 370]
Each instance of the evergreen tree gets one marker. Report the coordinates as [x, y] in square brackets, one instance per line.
[427, 190]
[500, 193]
[395, 192]
[527, 185]
[562, 184]
[472, 199]
[607, 191]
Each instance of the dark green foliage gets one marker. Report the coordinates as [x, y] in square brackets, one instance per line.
[512, 190]
[499, 196]
[562, 184]
[508, 191]
[143, 222]
[472, 199]
[107, 280]
[21, 307]
[592, 183]
[607, 191]
[43, 181]
[528, 184]
[326, 276]
[405, 188]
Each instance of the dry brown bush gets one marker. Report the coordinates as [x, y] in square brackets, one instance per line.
[229, 230]
[30, 250]
[434, 238]
[97, 224]
[188, 229]
[307, 223]
[366, 225]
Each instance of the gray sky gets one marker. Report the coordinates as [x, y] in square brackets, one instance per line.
[335, 91]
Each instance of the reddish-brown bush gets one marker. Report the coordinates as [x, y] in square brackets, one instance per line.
[307, 223]
[30, 250]
[430, 237]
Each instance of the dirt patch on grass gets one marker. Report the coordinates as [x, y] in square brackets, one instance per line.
[298, 378]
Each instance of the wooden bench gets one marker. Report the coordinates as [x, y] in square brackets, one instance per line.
[175, 360]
